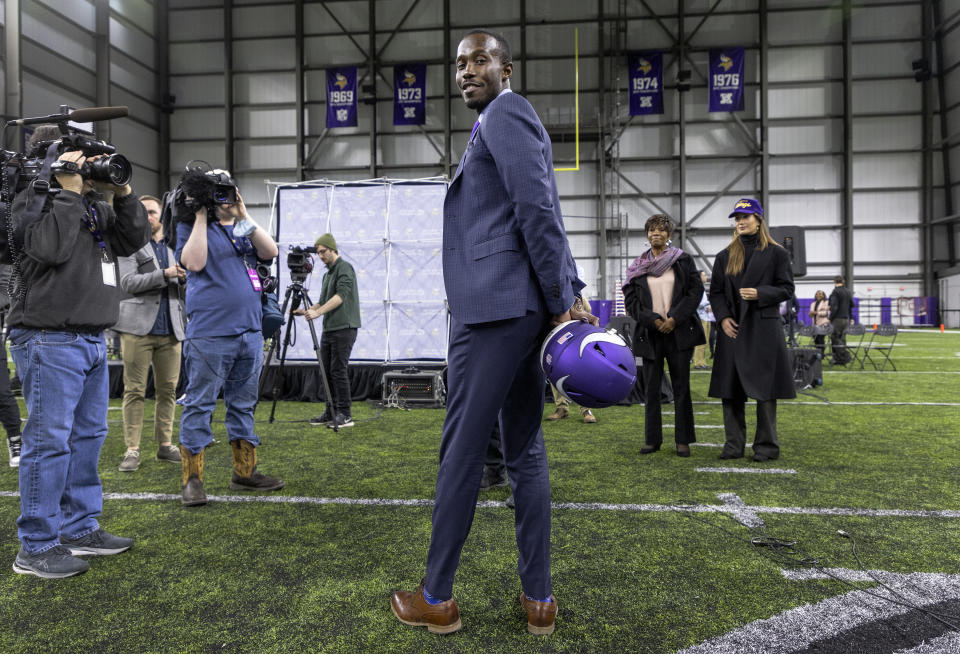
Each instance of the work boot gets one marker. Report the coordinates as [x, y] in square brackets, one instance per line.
[192, 483]
[559, 414]
[245, 474]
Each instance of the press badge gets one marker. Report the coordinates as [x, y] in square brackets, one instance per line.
[254, 279]
[109, 273]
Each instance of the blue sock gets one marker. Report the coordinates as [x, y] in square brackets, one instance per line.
[430, 598]
[534, 599]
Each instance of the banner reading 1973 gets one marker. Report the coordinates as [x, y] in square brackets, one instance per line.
[409, 94]
[646, 82]
[342, 97]
[726, 80]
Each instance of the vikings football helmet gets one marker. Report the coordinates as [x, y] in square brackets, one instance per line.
[588, 365]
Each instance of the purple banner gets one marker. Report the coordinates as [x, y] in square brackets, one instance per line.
[726, 80]
[646, 82]
[409, 94]
[342, 97]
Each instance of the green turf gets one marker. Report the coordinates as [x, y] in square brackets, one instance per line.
[232, 577]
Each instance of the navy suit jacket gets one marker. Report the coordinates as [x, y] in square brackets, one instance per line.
[505, 250]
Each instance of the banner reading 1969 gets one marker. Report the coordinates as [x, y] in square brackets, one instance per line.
[409, 94]
[726, 80]
[646, 83]
[342, 97]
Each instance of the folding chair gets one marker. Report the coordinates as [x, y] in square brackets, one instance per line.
[856, 353]
[882, 343]
[624, 325]
[804, 336]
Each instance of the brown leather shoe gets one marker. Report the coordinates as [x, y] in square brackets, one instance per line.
[413, 609]
[559, 414]
[589, 418]
[540, 615]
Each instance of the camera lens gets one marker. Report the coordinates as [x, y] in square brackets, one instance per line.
[115, 169]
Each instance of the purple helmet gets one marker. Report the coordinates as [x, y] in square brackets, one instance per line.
[588, 365]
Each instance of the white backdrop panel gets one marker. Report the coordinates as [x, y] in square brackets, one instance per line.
[391, 233]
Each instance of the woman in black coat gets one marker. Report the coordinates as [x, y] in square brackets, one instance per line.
[751, 277]
[662, 292]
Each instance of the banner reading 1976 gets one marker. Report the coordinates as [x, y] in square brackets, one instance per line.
[409, 94]
[726, 80]
[646, 82]
[342, 97]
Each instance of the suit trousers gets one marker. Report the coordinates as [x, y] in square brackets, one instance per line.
[838, 341]
[163, 351]
[735, 425]
[493, 367]
[678, 361]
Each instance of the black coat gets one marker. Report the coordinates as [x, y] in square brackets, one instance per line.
[758, 355]
[687, 293]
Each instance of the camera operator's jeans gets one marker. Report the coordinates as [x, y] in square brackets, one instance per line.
[230, 363]
[66, 387]
[335, 350]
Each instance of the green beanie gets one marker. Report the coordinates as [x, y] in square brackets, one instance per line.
[326, 241]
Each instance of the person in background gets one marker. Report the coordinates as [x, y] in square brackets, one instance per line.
[151, 325]
[751, 277]
[841, 305]
[9, 409]
[561, 401]
[662, 292]
[820, 312]
[705, 313]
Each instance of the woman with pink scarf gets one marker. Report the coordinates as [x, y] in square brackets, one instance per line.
[662, 292]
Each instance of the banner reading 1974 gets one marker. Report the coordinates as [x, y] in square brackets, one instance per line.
[342, 97]
[726, 80]
[646, 83]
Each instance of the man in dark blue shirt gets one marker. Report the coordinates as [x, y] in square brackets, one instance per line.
[224, 346]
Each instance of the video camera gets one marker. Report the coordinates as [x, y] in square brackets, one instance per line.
[201, 186]
[37, 168]
[300, 262]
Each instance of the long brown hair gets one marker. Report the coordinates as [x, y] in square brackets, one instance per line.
[735, 262]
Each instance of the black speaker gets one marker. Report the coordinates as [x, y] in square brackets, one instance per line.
[794, 241]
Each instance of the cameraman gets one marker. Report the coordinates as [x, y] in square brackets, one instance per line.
[340, 303]
[224, 344]
[67, 296]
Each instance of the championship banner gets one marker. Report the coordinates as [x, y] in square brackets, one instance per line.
[646, 83]
[342, 97]
[726, 80]
[409, 94]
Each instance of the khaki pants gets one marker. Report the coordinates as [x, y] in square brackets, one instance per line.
[138, 353]
[561, 401]
[700, 352]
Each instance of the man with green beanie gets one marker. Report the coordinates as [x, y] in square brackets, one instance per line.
[340, 304]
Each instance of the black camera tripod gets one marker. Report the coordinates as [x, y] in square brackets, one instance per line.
[294, 297]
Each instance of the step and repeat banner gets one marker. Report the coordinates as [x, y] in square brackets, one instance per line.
[391, 232]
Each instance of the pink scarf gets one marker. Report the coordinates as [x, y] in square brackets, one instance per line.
[646, 264]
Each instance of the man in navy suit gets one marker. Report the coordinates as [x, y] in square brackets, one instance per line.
[509, 274]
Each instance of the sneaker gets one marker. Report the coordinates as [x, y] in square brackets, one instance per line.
[323, 419]
[168, 453]
[131, 461]
[341, 421]
[589, 418]
[492, 479]
[13, 449]
[97, 543]
[55, 563]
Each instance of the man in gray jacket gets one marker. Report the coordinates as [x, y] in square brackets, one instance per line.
[152, 324]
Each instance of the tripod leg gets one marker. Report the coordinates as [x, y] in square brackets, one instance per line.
[283, 351]
[316, 350]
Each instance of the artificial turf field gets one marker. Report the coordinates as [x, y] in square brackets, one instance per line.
[650, 554]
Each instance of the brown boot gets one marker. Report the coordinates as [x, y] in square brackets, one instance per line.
[192, 484]
[559, 414]
[245, 474]
[413, 609]
[541, 616]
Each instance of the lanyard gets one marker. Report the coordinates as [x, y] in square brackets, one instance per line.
[91, 220]
[245, 246]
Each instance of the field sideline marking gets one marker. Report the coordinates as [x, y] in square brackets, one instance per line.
[847, 403]
[751, 471]
[571, 506]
